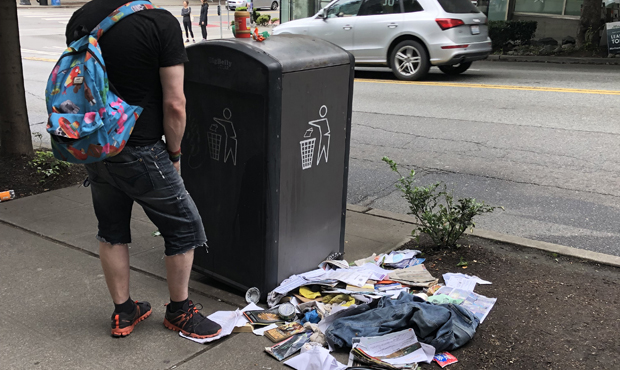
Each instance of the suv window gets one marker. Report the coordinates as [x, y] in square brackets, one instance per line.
[344, 8]
[412, 6]
[377, 7]
[458, 6]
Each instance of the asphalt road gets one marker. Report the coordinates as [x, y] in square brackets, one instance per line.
[541, 140]
[538, 139]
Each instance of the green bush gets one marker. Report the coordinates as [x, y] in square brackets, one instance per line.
[255, 16]
[520, 32]
[439, 216]
[263, 20]
[48, 166]
[241, 9]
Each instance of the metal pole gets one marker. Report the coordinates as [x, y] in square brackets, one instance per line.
[221, 34]
[227, 17]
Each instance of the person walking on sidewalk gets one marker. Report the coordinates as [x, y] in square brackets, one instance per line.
[204, 15]
[186, 12]
[144, 58]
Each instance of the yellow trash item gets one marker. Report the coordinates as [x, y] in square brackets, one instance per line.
[307, 293]
[339, 298]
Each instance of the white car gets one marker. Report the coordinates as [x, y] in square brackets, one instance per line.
[263, 4]
[407, 35]
[234, 4]
[257, 4]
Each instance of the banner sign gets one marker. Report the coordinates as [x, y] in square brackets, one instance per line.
[613, 37]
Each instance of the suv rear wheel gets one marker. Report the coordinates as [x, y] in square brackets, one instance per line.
[274, 5]
[455, 69]
[409, 61]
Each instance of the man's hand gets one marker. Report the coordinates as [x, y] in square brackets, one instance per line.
[177, 166]
[203, 23]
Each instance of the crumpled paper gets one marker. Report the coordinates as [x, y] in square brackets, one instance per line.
[314, 357]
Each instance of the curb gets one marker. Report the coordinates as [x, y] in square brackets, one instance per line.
[555, 60]
[601, 258]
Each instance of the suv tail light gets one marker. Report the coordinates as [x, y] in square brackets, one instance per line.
[447, 23]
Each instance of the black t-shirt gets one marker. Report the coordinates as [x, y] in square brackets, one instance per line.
[133, 51]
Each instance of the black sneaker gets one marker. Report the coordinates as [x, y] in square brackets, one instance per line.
[123, 323]
[191, 322]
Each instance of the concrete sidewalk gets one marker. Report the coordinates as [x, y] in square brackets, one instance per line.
[56, 306]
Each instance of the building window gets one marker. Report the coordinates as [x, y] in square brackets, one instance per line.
[573, 7]
[540, 6]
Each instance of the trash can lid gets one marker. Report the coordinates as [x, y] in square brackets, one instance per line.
[296, 52]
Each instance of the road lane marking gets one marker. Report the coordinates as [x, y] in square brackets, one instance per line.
[40, 52]
[498, 87]
[40, 59]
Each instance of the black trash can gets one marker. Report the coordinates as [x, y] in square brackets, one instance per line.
[265, 155]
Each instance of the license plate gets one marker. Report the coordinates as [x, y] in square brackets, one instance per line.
[475, 30]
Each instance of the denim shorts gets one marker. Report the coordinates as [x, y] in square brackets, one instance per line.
[147, 176]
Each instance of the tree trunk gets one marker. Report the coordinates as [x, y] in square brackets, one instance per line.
[590, 24]
[15, 137]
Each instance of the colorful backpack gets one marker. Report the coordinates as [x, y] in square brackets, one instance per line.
[88, 122]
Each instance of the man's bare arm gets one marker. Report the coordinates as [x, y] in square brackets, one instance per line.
[174, 105]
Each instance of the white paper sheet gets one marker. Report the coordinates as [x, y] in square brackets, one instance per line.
[378, 273]
[295, 303]
[397, 256]
[450, 275]
[290, 284]
[390, 343]
[369, 259]
[334, 265]
[314, 358]
[313, 275]
[351, 276]
[261, 330]
[461, 283]
[478, 304]
[227, 320]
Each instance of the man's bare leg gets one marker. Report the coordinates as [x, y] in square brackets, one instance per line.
[115, 263]
[178, 269]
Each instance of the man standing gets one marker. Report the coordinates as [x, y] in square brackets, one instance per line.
[204, 16]
[144, 56]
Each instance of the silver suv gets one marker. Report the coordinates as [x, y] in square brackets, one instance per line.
[407, 35]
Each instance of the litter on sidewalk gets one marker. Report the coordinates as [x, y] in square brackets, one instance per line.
[444, 359]
[388, 309]
[7, 195]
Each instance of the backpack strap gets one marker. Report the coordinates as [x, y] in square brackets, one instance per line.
[120, 13]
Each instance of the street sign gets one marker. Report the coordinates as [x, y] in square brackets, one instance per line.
[613, 37]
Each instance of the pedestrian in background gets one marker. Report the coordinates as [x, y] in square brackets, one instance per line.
[204, 14]
[186, 12]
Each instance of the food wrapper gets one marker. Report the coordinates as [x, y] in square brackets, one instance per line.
[444, 359]
[431, 290]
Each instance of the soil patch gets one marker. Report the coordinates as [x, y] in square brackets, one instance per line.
[552, 312]
[17, 174]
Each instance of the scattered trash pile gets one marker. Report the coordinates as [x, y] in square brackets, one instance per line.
[387, 309]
